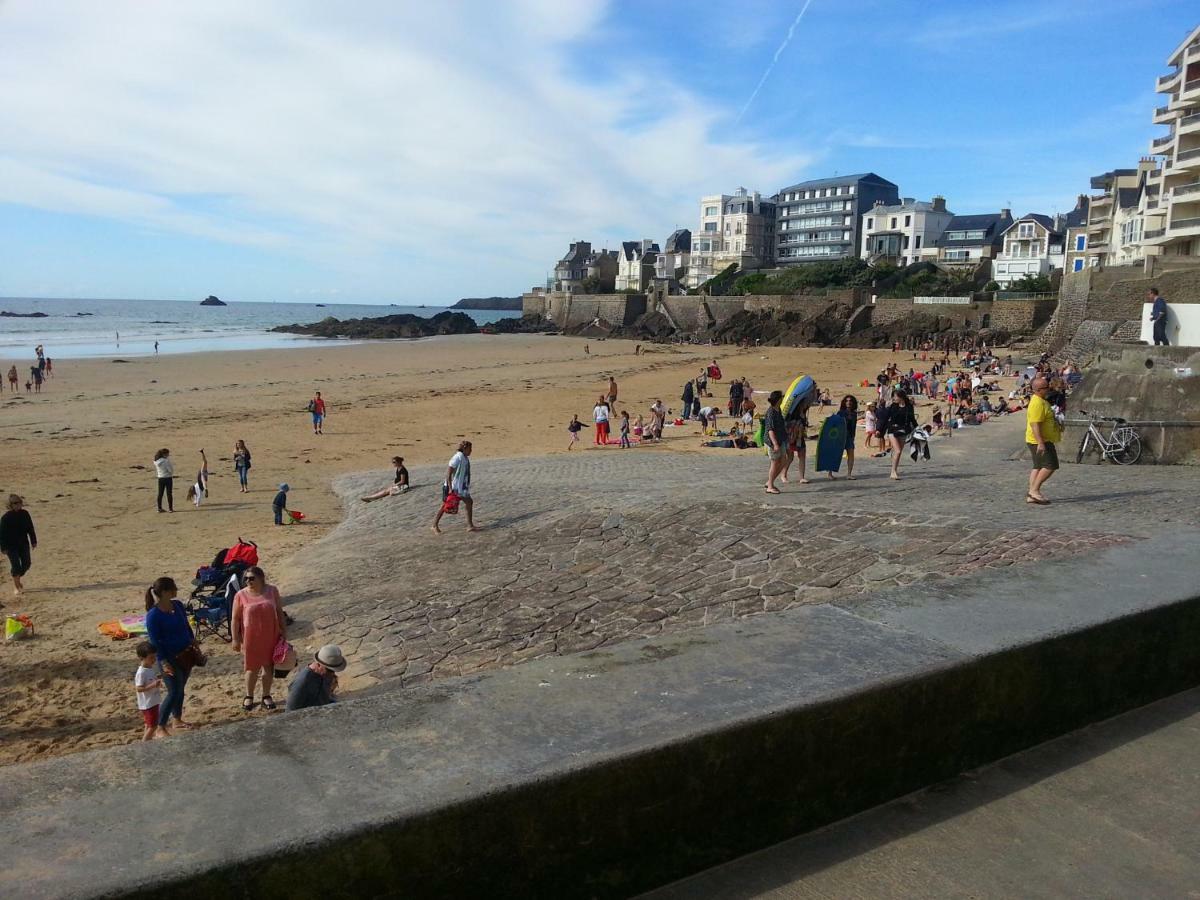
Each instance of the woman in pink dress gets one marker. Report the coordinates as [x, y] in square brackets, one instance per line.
[257, 625]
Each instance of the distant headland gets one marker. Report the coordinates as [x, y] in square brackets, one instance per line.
[210, 300]
[502, 303]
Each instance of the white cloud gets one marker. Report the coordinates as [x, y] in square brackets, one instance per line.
[452, 147]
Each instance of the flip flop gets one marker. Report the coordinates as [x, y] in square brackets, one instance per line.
[247, 703]
[268, 702]
[775, 491]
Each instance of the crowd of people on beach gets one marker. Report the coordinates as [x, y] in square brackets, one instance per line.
[39, 373]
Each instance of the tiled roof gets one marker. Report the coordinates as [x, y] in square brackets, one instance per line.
[990, 223]
[830, 182]
[1127, 198]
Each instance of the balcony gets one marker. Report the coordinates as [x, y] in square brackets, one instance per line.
[1188, 94]
[1157, 145]
[1163, 115]
[1155, 234]
[1166, 83]
[1181, 189]
[1188, 159]
[1185, 227]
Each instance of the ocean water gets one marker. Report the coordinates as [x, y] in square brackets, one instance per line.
[73, 329]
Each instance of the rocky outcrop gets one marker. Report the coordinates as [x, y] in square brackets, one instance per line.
[4, 313]
[403, 325]
[212, 301]
[524, 325]
[507, 304]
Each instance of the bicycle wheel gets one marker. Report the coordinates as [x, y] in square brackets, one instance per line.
[1083, 447]
[1129, 449]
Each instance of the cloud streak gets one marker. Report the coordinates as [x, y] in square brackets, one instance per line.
[775, 59]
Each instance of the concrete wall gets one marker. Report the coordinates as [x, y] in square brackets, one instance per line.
[1147, 385]
[568, 310]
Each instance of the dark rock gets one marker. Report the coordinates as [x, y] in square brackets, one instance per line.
[212, 301]
[403, 325]
[509, 304]
[15, 315]
[534, 324]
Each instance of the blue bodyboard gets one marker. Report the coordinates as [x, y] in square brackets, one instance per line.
[832, 444]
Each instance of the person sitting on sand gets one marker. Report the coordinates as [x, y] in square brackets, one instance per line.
[639, 427]
[399, 483]
[317, 683]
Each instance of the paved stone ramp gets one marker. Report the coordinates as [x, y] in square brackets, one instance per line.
[601, 546]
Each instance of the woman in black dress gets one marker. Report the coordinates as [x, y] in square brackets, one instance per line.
[901, 422]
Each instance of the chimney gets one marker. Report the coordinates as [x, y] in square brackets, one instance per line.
[1081, 202]
[908, 201]
[939, 203]
[880, 203]
[1005, 213]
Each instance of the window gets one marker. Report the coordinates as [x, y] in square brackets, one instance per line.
[1078, 266]
[1080, 243]
[710, 226]
[907, 221]
[711, 210]
[958, 254]
[850, 190]
[870, 224]
[918, 242]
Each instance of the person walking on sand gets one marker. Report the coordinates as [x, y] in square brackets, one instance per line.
[173, 640]
[457, 488]
[164, 470]
[18, 540]
[257, 624]
[35, 373]
[901, 422]
[612, 393]
[600, 415]
[625, 429]
[776, 434]
[241, 465]
[279, 503]
[156, 348]
[317, 683]
[1042, 434]
[848, 410]
[316, 406]
[1158, 315]
[797, 449]
[399, 483]
[14, 380]
[573, 428]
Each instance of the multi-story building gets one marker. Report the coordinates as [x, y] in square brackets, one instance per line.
[582, 264]
[1032, 245]
[969, 240]
[897, 234]
[1172, 221]
[821, 220]
[1117, 217]
[1074, 229]
[671, 266]
[635, 265]
[734, 228]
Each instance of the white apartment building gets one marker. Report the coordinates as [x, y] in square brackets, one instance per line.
[1032, 245]
[635, 265]
[734, 228]
[1172, 221]
[1117, 218]
[897, 233]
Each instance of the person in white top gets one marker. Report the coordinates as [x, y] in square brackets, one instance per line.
[457, 488]
[164, 469]
[148, 684]
[600, 416]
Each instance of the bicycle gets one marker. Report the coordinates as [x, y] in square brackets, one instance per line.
[1123, 445]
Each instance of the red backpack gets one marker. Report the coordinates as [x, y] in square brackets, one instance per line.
[245, 552]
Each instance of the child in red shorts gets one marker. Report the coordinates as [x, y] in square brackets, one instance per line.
[148, 685]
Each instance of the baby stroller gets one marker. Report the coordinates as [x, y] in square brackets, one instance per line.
[213, 589]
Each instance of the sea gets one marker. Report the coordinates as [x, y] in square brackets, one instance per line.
[74, 329]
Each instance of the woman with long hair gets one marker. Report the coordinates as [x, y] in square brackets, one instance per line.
[171, 635]
[164, 470]
[848, 410]
[901, 422]
[241, 464]
[258, 624]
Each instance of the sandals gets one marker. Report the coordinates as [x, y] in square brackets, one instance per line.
[1029, 498]
[267, 702]
[248, 703]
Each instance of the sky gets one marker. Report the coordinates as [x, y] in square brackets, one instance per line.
[405, 151]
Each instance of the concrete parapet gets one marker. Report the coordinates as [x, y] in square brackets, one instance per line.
[1156, 388]
[607, 773]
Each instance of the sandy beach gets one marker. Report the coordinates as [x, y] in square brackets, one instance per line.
[81, 454]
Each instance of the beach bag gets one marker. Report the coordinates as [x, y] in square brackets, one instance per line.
[245, 552]
[17, 628]
[191, 657]
[282, 651]
[450, 505]
[312, 406]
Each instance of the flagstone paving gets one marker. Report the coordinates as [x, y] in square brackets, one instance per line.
[589, 549]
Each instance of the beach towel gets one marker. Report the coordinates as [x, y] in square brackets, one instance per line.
[133, 624]
[113, 630]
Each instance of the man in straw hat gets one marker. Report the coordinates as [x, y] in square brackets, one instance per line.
[317, 682]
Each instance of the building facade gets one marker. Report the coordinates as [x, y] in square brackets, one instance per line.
[583, 269]
[821, 220]
[1117, 217]
[734, 228]
[635, 265]
[671, 266]
[1074, 229]
[1031, 246]
[1172, 224]
[970, 240]
[899, 233]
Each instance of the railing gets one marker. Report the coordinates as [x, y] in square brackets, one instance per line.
[1188, 154]
[939, 301]
[1024, 295]
[1186, 223]
[1164, 81]
[1182, 189]
[1192, 85]
[1162, 111]
[1155, 233]
[1189, 120]
[1163, 141]
[1101, 198]
[1192, 52]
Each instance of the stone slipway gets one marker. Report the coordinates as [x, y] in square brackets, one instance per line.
[604, 773]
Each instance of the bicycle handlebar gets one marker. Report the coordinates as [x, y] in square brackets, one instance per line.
[1098, 418]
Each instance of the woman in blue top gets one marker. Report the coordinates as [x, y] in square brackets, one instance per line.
[168, 630]
[848, 410]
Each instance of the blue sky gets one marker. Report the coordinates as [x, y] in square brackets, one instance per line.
[393, 152]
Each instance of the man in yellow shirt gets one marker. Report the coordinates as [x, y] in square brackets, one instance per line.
[1042, 432]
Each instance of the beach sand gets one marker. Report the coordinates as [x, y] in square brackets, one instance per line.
[81, 455]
